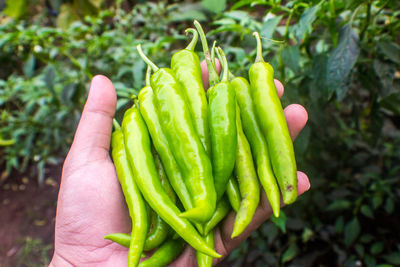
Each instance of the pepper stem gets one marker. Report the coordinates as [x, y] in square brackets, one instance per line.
[212, 72]
[192, 43]
[148, 74]
[259, 57]
[224, 62]
[116, 125]
[213, 54]
[146, 59]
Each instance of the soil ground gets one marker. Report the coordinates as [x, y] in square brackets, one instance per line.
[27, 216]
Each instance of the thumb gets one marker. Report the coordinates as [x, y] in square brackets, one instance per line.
[92, 137]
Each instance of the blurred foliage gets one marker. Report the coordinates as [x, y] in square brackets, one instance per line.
[340, 59]
[34, 253]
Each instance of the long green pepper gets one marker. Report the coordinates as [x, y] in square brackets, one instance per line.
[247, 178]
[186, 66]
[185, 144]
[138, 147]
[165, 254]
[133, 197]
[273, 124]
[222, 121]
[257, 142]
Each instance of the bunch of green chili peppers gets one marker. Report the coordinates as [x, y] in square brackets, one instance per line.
[186, 157]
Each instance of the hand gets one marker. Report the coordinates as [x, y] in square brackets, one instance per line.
[91, 203]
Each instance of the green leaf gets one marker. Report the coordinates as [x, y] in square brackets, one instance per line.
[377, 248]
[16, 8]
[280, 222]
[305, 23]
[67, 16]
[393, 258]
[391, 103]
[306, 235]
[390, 50]
[342, 60]
[340, 204]
[367, 211]
[291, 57]
[386, 72]
[216, 6]
[389, 205]
[29, 66]
[351, 231]
[290, 253]
[377, 201]
[269, 26]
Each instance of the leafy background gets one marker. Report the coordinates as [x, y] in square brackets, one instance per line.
[339, 59]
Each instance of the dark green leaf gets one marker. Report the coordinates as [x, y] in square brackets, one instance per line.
[386, 73]
[390, 50]
[306, 20]
[280, 222]
[269, 26]
[366, 211]
[351, 231]
[377, 248]
[290, 253]
[291, 57]
[389, 205]
[391, 103]
[342, 60]
[340, 204]
[339, 224]
[393, 258]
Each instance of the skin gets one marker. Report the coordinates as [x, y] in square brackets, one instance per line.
[90, 201]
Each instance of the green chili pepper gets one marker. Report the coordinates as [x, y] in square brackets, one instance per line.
[138, 148]
[233, 193]
[150, 115]
[221, 115]
[133, 197]
[165, 254]
[185, 144]
[120, 238]
[257, 142]
[186, 66]
[273, 124]
[221, 211]
[204, 260]
[248, 182]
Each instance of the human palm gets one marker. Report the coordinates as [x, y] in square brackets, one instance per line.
[91, 203]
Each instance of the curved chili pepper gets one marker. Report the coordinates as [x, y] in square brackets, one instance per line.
[133, 197]
[273, 124]
[248, 182]
[257, 142]
[120, 238]
[165, 254]
[160, 142]
[233, 193]
[138, 148]
[186, 66]
[149, 113]
[204, 260]
[185, 144]
[221, 211]
[221, 115]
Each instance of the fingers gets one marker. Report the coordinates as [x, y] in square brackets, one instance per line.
[296, 118]
[204, 72]
[92, 138]
[223, 242]
[279, 87]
